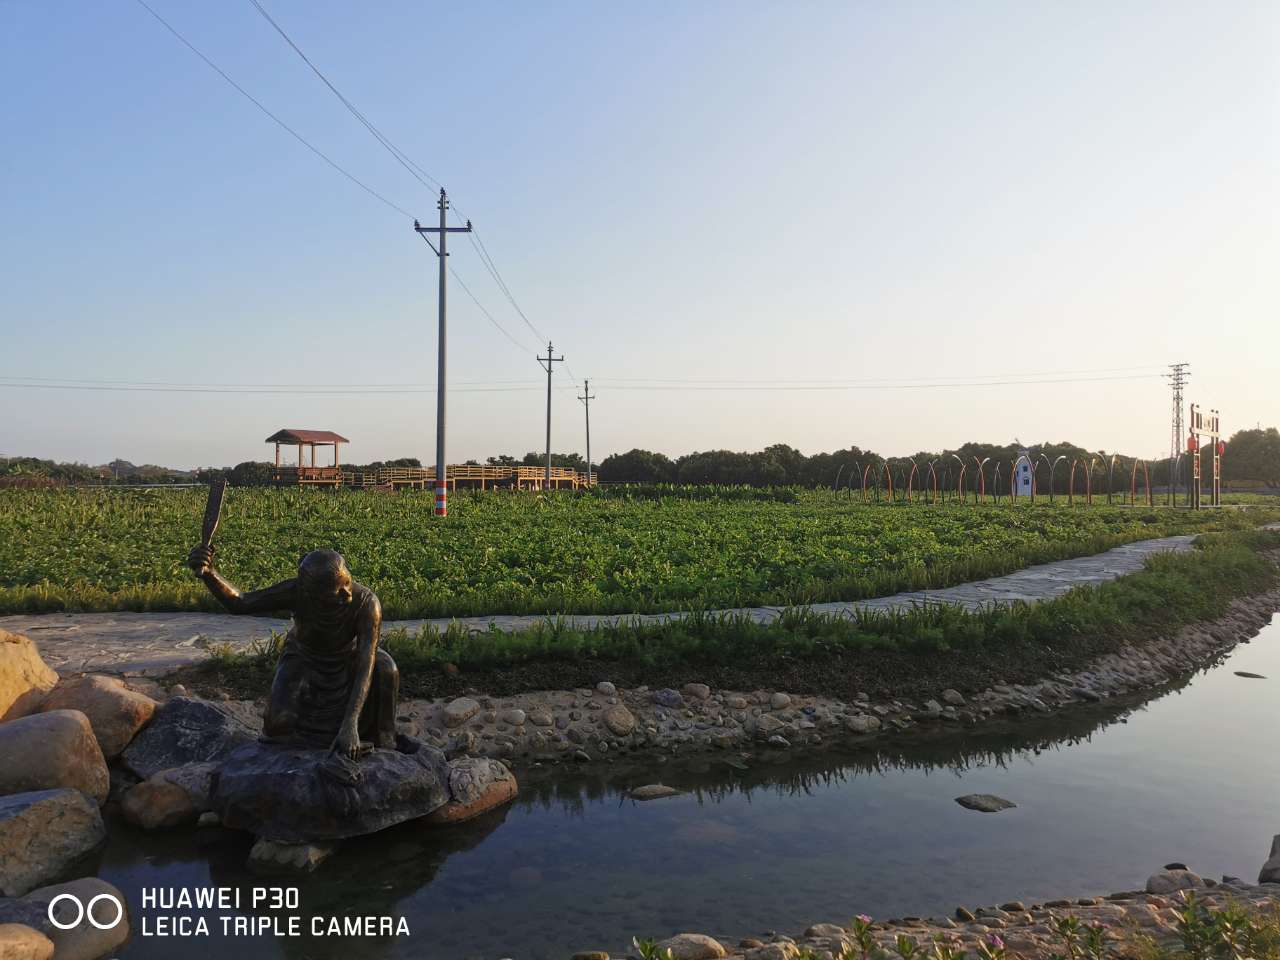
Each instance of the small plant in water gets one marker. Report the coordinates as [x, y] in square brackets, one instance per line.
[649, 950]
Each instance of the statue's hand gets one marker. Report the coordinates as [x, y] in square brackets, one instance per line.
[200, 560]
[347, 742]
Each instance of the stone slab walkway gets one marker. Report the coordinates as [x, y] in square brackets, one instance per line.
[150, 644]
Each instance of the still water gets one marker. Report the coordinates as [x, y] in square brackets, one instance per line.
[1105, 796]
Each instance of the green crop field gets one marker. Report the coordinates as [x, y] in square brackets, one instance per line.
[84, 549]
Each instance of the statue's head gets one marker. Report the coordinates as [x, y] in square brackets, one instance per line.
[323, 576]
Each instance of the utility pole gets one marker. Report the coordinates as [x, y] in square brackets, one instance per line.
[1178, 376]
[442, 231]
[547, 362]
[586, 399]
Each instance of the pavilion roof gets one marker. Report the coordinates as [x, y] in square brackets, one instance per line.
[306, 436]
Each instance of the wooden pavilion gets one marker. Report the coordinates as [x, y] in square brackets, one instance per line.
[306, 470]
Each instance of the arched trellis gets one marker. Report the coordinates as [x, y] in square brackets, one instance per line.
[1093, 462]
[995, 483]
[888, 475]
[1111, 474]
[1013, 478]
[1133, 482]
[1088, 481]
[912, 477]
[836, 485]
[932, 480]
[980, 481]
[960, 478]
[1053, 466]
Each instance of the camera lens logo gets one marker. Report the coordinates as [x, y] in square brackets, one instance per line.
[82, 911]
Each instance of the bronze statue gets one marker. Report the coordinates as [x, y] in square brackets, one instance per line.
[333, 686]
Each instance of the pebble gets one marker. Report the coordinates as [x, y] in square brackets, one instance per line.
[779, 701]
[606, 689]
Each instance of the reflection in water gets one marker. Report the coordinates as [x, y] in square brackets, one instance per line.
[772, 840]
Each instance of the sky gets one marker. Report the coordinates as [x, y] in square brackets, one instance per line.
[687, 199]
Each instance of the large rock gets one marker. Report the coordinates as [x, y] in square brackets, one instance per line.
[1270, 872]
[115, 712]
[84, 941]
[186, 731]
[42, 834]
[692, 946]
[294, 795]
[18, 942]
[620, 721]
[476, 785]
[985, 802]
[171, 798]
[25, 679]
[1170, 881]
[48, 750]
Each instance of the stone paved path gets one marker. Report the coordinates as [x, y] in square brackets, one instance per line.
[150, 644]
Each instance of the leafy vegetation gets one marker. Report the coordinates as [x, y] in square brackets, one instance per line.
[804, 651]
[84, 549]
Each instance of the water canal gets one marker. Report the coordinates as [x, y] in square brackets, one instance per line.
[1105, 795]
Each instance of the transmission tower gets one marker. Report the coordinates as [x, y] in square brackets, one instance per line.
[1178, 376]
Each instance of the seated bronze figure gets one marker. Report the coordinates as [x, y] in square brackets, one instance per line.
[333, 685]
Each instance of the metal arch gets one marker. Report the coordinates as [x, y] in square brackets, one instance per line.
[933, 475]
[960, 478]
[1088, 481]
[911, 477]
[1133, 482]
[1071, 481]
[888, 476]
[1061, 457]
[865, 470]
[836, 485]
[980, 485]
[995, 483]
[1111, 476]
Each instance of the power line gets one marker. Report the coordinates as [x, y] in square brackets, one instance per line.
[31, 383]
[284, 126]
[405, 161]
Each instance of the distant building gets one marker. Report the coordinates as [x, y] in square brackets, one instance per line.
[1023, 474]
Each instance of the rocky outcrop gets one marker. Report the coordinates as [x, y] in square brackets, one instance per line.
[42, 834]
[115, 712]
[49, 750]
[186, 731]
[1270, 872]
[25, 679]
[85, 941]
[293, 795]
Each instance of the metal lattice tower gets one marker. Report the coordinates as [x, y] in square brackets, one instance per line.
[1178, 376]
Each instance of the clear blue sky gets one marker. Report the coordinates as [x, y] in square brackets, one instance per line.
[688, 191]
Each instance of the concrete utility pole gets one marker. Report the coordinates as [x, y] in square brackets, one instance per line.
[586, 399]
[443, 231]
[547, 362]
[1178, 377]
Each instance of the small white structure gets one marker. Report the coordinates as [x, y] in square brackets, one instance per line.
[1023, 471]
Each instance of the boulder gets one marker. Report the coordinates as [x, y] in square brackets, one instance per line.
[24, 914]
[1270, 872]
[43, 834]
[692, 946]
[18, 942]
[115, 712]
[295, 795]
[48, 750]
[985, 803]
[84, 941]
[698, 691]
[863, 723]
[620, 721]
[1169, 881]
[779, 701]
[25, 679]
[476, 785]
[157, 804]
[457, 712]
[185, 731]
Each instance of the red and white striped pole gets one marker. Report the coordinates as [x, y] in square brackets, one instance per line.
[442, 500]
